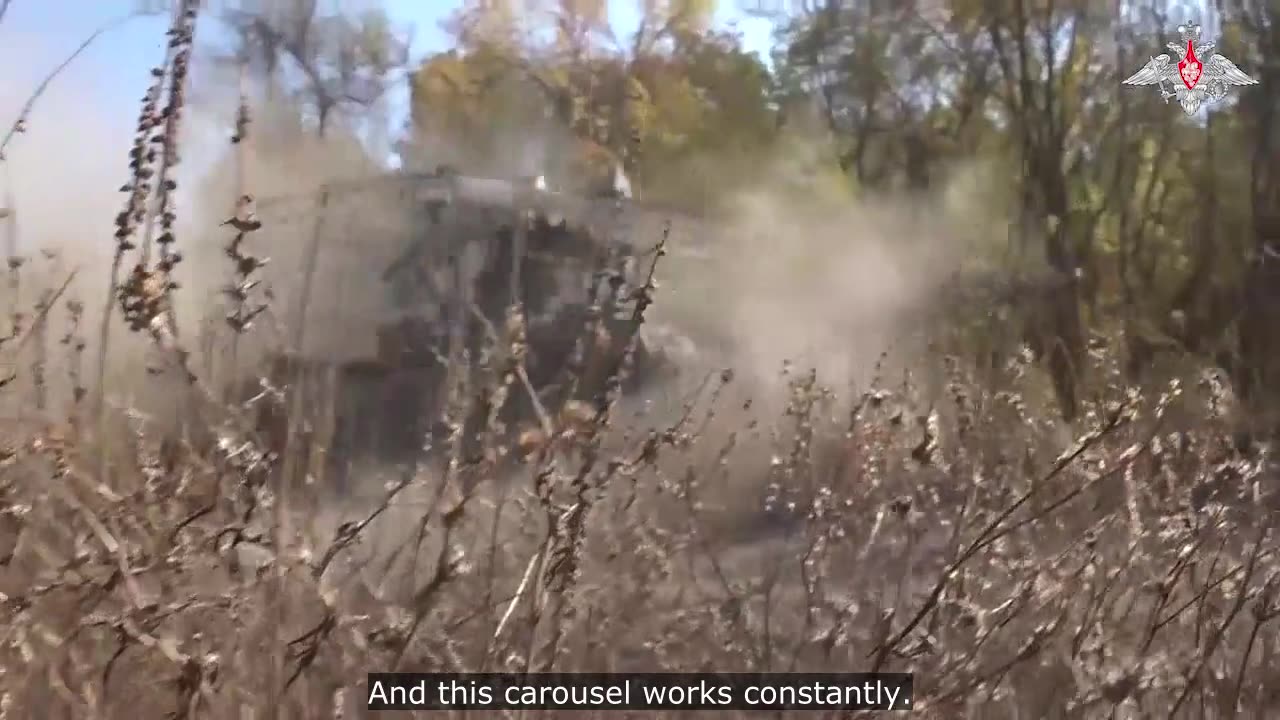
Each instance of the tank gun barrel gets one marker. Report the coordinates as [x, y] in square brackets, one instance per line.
[492, 192]
[620, 218]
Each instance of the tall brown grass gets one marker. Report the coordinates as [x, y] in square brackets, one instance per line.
[188, 565]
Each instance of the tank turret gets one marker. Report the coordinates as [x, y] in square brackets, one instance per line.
[478, 246]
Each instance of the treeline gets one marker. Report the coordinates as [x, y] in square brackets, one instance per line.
[1157, 231]
[1158, 224]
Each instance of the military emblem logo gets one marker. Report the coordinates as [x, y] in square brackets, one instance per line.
[1201, 77]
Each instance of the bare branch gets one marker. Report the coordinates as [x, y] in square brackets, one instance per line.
[20, 124]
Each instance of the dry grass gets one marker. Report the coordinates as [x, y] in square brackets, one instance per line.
[171, 566]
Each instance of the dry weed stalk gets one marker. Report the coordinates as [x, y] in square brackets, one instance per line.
[243, 222]
[74, 343]
[146, 296]
[142, 159]
[14, 263]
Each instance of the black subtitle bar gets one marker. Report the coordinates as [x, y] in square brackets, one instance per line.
[640, 691]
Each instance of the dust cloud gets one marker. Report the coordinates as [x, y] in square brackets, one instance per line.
[787, 274]
[794, 275]
[830, 290]
[62, 179]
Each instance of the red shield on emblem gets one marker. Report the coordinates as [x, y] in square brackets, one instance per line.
[1190, 68]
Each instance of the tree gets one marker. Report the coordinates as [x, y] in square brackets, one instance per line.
[1129, 220]
[339, 60]
[1149, 231]
[673, 96]
[1256, 367]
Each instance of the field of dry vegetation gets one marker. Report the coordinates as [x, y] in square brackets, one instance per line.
[942, 520]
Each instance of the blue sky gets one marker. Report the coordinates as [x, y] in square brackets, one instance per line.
[36, 34]
[107, 80]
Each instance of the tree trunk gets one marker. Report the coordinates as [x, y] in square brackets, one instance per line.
[1256, 374]
[1064, 332]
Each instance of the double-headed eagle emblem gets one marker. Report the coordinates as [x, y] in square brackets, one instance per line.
[1194, 83]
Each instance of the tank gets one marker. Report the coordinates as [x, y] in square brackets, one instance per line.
[478, 245]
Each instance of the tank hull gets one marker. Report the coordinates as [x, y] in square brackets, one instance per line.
[484, 248]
